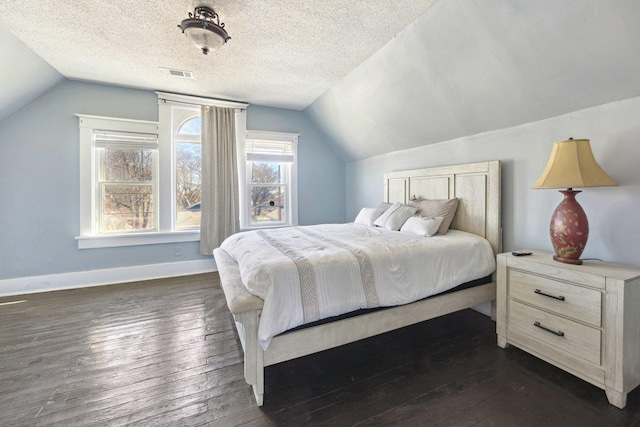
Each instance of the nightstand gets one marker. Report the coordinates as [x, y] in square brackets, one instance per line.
[584, 319]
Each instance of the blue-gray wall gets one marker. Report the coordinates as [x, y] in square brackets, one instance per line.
[39, 180]
[614, 131]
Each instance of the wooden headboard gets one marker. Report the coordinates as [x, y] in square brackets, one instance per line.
[476, 185]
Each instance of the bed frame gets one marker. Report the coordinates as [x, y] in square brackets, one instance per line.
[476, 185]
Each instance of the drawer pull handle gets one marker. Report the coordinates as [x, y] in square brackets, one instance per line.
[539, 292]
[558, 333]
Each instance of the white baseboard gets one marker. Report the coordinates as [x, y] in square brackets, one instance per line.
[85, 279]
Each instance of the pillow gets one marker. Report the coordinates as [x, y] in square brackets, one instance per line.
[422, 226]
[382, 219]
[368, 215]
[446, 208]
[395, 216]
[384, 206]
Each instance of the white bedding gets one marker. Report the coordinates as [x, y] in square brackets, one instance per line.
[308, 273]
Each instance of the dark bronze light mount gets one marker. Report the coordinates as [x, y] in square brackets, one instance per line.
[204, 29]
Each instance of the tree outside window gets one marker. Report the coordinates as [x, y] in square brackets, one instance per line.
[127, 190]
[268, 195]
[267, 201]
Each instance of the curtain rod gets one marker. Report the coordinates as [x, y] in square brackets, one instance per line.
[198, 101]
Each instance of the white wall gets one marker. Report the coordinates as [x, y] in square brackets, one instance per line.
[614, 131]
[467, 67]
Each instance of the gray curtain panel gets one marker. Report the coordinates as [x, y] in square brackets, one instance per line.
[220, 206]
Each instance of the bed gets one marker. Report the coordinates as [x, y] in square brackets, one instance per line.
[477, 187]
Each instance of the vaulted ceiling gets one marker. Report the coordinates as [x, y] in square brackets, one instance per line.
[467, 67]
[375, 75]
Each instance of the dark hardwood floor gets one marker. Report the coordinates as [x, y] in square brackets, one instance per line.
[165, 352]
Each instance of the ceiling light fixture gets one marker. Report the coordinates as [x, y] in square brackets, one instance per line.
[204, 29]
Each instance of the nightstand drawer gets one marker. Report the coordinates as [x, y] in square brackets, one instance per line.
[575, 338]
[566, 299]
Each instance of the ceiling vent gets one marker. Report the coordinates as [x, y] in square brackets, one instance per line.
[177, 73]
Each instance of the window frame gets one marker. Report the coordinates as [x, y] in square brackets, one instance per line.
[244, 174]
[166, 232]
[89, 237]
[179, 116]
[101, 183]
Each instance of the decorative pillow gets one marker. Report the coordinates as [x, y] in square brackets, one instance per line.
[382, 219]
[422, 226]
[384, 206]
[395, 216]
[368, 215]
[446, 208]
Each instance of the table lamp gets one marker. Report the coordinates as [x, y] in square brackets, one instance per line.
[571, 165]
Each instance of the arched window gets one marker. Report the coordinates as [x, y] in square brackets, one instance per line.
[190, 126]
[187, 143]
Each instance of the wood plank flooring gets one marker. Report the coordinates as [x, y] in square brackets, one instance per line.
[165, 352]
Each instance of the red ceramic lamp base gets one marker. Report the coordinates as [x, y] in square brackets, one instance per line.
[569, 229]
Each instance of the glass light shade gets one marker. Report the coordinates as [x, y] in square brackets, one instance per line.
[204, 29]
[204, 38]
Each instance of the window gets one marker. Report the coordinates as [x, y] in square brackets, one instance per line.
[126, 183]
[188, 168]
[126, 168]
[119, 181]
[140, 181]
[269, 180]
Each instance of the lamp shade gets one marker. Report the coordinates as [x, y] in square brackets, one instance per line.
[572, 165]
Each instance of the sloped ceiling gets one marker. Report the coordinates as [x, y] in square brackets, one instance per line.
[467, 67]
[24, 76]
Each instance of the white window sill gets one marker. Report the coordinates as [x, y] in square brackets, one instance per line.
[135, 239]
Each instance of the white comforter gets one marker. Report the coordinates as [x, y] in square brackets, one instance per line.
[308, 273]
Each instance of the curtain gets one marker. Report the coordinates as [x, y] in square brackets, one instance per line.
[220, 205]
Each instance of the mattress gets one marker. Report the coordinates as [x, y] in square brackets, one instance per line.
[305, 274]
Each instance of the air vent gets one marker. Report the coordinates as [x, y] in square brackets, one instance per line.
[177, 73]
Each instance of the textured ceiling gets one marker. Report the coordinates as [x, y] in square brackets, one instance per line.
[281, 53]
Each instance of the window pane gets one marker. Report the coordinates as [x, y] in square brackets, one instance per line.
[190, 127]
[127, 207]
[268, 204]
[128, 165]
[188, 184]
[266, 173]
